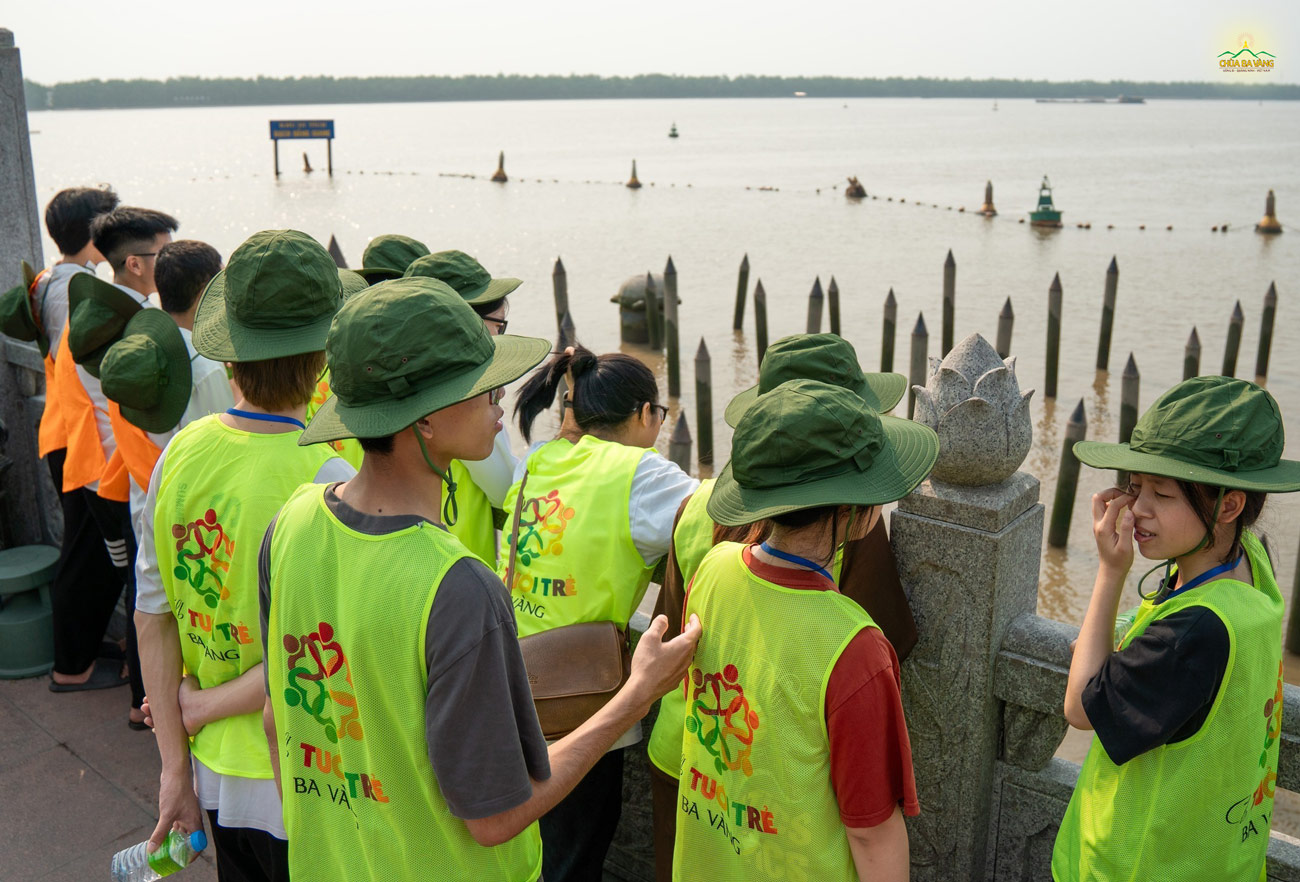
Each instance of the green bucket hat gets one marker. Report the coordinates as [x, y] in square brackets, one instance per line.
[388, 256]
[808, 443]
[275, 298]
[1208, 430]
[18, 321]
[384, 372]
[97, 315]
[147, 372]
[464, 274]
[825, 357]
[352, 282]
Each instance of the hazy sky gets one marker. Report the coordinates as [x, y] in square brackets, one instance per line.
[1095, 39]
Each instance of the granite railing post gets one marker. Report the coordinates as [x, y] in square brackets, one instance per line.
[968, 557]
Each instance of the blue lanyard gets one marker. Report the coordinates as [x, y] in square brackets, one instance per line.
[796, 559]
[266, 417]
[1203, 578]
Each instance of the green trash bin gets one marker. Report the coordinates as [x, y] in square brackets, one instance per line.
[26, 628]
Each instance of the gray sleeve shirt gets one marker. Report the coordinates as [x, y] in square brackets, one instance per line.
[483, 739]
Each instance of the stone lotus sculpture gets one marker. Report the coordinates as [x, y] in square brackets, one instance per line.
[973, 402]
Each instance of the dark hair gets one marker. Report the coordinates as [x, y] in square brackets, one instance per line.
[69, 213]
[486, 309]
[1203, 498]
[607, 389]
[382, 445]
[279, 383]
[183, 269]
[125, 229]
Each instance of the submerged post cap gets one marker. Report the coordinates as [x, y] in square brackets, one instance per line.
[148, 373]
[807, 444]
[97, 315]
[388, 256]
[275, 298]
[825, 357]
[385, 375]
[1219, 431]
[464, 274]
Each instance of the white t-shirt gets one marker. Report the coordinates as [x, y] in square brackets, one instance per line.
[54, 302]
[238, 802]
[495, 474]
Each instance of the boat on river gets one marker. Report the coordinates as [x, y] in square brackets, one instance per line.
[672, 130]
[1046, 215]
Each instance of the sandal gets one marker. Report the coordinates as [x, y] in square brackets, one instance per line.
[106, 674]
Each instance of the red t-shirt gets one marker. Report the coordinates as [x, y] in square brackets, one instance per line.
[871, 756]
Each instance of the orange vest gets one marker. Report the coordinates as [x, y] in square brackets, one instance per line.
[51, 435]
[135, 457]
[85, 463]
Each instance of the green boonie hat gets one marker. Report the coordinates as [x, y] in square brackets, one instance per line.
[406, 348]
[388, 256]
[275, 298]
[352, 282]
[464, 274]
[1208, 430]
[18, 321]
[808, 443]
[825, 357]
[147, 372]
[97, 315]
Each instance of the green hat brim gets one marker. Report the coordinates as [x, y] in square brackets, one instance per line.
[903, 462]
[30, 276]
[83, 287]
[494, 290]
[19, 321]
[881, 391]
[352, 282]
[512, 358]
[1281, 478]
[373, 274]
[218, 337]
[161, 328]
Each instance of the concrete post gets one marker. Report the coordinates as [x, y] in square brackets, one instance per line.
[888, 333]
[1006, 324]
[968, 558]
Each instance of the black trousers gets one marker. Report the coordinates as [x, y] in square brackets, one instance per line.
[248, 855]
[576, 833]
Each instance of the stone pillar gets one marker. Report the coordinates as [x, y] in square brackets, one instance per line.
[28, 504]
[969, 560]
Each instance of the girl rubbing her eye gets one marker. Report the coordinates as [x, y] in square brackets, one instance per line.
[1184, 692]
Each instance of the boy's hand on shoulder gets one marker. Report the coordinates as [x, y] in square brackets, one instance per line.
[658, 665]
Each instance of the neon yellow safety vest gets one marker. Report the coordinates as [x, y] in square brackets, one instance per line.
[1198, 809]
[219, 489]
[755, 799]
[692, 539]
[348, 684]
[576, 560]
[473, 525]
[348, 448]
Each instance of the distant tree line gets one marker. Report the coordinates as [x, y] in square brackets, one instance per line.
[189, 91]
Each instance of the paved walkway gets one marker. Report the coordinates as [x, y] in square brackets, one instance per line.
[76, 785]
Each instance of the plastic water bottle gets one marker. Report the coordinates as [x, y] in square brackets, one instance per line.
[135, 864]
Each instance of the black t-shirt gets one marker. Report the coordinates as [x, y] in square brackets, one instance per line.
[1159, 689]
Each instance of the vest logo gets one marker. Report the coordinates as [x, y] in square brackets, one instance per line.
[320, 682]
[203, 554]
[542, 520]
[721, 718]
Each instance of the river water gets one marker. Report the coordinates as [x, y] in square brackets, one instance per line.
[1186, 164]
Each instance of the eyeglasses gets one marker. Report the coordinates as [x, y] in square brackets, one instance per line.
[499, 322]
[662, 410]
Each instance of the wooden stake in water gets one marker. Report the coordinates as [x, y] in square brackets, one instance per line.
[653, 317]
[833, 304]
[920, 351]
[1233, 346]
[704, 401]
[888, 334]
[679, 444]
[560, 285]
[1067, 481]
[742, 291]
[1053, 335]
[568, 334]
[1266, 334]
[1192, 355]
[949, 300]
[1130, 384]
[1107, 316]
[815, 301]
[1006, 322]
[337, 253]
[760, 320]
[671, 340]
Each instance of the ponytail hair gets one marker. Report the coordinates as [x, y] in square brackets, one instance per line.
[606, 390]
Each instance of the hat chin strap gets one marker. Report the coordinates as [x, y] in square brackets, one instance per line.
[1169, 564]
[450, 511]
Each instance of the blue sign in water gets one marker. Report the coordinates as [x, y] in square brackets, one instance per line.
[301, 128]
